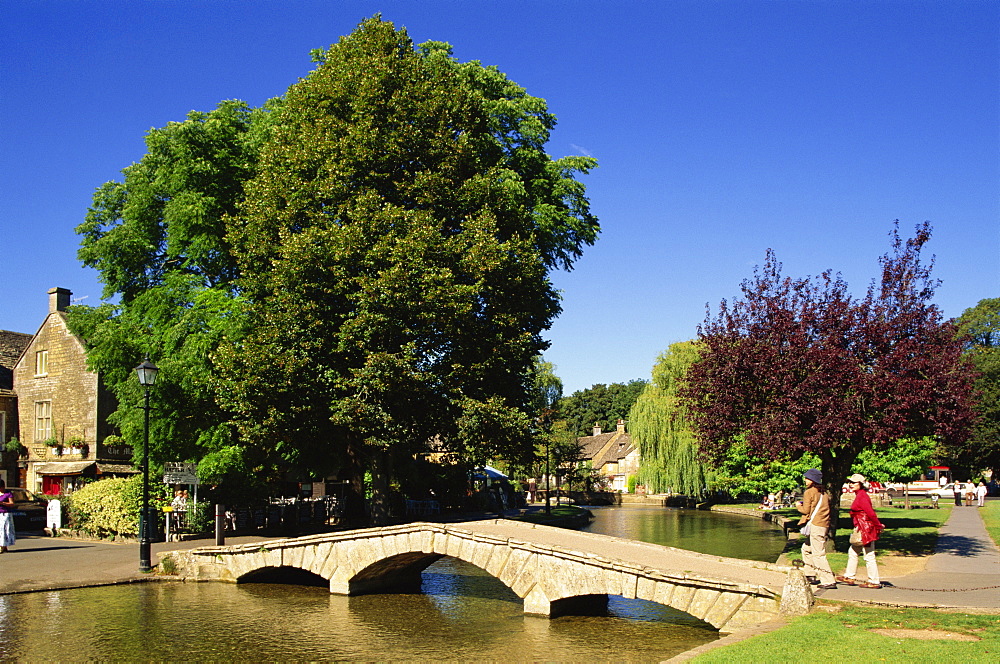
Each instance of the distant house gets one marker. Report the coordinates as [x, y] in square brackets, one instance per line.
[612, 454]
[63, 409]
[12, 344]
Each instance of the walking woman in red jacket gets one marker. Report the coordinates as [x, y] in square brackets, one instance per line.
[867, 528]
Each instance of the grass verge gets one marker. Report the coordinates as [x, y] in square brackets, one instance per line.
[991, 517]
[911, 532]
[872, 634]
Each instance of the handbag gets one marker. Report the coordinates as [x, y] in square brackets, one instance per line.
[806, 529]
[856, 537]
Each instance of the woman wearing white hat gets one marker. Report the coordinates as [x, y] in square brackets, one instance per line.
[867, 528]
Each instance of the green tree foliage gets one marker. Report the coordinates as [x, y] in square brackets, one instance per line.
[394, 249]
[740, 472]
[158, 240]
[980, 328]
[900, 461]
[599, 405]
[659, 426]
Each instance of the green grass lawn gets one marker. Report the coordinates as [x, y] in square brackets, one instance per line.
[849, 629]
[991, 517]
[912, 532]
[848, 634]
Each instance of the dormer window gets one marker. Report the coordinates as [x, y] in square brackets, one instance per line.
[41, 363]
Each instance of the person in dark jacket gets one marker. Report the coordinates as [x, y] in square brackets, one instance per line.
[869, 528]
[815, 510]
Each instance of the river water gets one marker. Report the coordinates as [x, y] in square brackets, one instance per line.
[461, 613]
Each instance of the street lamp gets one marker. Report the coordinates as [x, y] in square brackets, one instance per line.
[147, 376]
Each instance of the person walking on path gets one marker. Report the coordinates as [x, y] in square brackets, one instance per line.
[963, 571]
[981, 494]
[957, 489]
[867, 529]
[815, 510]
[6, 518]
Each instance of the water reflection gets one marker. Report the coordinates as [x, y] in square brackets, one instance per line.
[461, 613]
[716, 533]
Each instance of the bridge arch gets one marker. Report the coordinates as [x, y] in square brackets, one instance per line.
[549, 579]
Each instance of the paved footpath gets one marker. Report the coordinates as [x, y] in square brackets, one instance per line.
[963, 572]
[37, 562]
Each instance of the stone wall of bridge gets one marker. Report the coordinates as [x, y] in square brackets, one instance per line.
[551, 580]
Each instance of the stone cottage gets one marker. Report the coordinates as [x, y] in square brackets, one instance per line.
[63, 409]
[613, 454]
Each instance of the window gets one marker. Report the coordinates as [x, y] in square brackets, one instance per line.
[3, 427]
[43, 420]
[41, 363]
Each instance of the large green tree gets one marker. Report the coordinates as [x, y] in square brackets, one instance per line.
[158, 240]
[394, 249]
[979, 327]
[658, 424]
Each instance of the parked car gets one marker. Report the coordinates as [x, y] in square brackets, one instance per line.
[948, 490]
[29, 509]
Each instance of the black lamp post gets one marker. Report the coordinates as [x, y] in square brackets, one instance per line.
[147, 376]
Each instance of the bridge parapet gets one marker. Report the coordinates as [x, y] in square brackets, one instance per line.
[551, 571]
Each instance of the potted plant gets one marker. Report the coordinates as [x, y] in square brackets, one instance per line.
[15, 448]
[54, 444]
[78, 444]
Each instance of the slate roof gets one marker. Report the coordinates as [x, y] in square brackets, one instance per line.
[606, 448]
[12, 344]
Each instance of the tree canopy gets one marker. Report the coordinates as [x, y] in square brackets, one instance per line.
[979, 327]
[158, 240]
[333, 280]
[799, 366]
[599, 405]
[394, 250]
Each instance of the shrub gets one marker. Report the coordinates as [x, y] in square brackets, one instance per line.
[107, 508]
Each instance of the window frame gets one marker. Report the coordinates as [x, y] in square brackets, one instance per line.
[43, 413]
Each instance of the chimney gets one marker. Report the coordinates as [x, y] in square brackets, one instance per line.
[621, 426]
[597, 430]
[58, 299]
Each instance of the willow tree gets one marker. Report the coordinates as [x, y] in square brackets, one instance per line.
[658, 424]
[394, 251]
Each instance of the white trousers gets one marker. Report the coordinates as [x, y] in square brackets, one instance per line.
[854, 553]
[814, 556]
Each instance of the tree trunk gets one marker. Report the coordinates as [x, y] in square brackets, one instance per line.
[381, 469]
[835, 473]
[355, 513]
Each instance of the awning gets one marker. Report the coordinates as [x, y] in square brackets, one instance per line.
[62, 467]
[490, 472]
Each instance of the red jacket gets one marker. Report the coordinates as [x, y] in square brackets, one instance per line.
[865, 519]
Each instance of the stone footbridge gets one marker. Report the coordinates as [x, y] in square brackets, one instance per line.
[554, 570]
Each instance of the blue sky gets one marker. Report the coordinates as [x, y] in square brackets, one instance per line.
[722, 129]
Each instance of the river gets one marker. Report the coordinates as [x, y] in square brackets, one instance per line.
[461, 613]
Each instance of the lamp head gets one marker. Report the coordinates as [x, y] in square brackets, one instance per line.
[147, 373]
